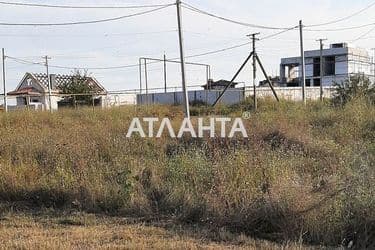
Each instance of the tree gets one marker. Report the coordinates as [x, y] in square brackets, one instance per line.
[81, 92]
[357, 86]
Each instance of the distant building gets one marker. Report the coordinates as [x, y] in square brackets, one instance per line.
[218, 85]
[275, 81]
[33, 92]
[339, 62]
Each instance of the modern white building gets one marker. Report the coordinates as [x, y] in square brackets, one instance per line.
[339, 62]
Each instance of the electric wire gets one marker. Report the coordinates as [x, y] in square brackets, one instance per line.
[278, 33]
[343, 18]
[23, 61]
[137, 65]
[192, 8]
[80, 7]
[219, 50]
[239, 45]
[342, 29]
[90, 35]
[87, 22]
[364, 35]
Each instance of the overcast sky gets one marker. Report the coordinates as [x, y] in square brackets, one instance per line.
[123, 42]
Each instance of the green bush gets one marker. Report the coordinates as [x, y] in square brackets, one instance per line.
[357, 86]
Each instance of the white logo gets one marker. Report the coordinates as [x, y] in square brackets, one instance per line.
[215, 127]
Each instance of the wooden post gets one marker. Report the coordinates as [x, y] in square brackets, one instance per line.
[28, 102]
[4, 82]
[74, 102]
[303, 69]
[321, 67]
[165, 73]
[182, 59]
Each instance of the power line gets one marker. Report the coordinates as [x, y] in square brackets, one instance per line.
[209, 34]
[81, 7]
[363, 35]
[239, 45]
[343, 18]
[97, 68]
[210, 52]
[192, 8]
[129, 65]
[137, 65]
[342, 29]
[22, 61]
[278, 33]
[26, 62]
[89, 35]
[87, 22]
[220, 50]
[366, 38]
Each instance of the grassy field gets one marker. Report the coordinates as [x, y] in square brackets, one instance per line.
[305, 174]
[77, 230]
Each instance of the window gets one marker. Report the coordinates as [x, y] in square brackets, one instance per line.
[316, 70]
[329, 66]
[308, 82]
[316, 82]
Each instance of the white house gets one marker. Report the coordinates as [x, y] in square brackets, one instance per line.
[33, 92]
[340, 61]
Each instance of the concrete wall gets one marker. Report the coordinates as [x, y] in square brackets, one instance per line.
[116, 100]
[54, 101]
[233, 97]
[293, 93]
[203, 96]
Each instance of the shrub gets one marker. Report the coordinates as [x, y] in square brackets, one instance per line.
[357, 86]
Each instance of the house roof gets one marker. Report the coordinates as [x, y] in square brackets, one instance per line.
[29, 91]
[58, 80]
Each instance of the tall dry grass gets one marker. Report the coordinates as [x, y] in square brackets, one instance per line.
[305, 173]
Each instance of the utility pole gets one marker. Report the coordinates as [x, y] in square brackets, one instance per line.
[140, 76]
[303, 76]
[239, 71]
[321, 67]
[4, 82]
[48, 82]
[146, 75]
[182, 56]
[254, 39]
[373, 63]
[146, 80]
[208, 77]
[165, 73]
